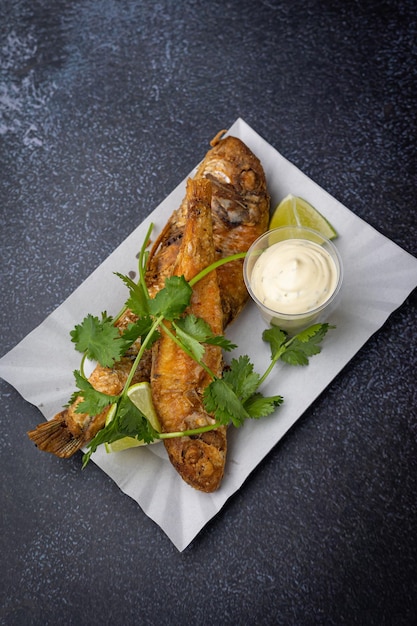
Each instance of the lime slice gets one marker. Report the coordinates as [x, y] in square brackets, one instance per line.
[295, 211]
[123, 444]
[141, 396]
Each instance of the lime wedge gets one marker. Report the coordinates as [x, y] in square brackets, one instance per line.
[295, 211]
[123, 444]
[141, 396]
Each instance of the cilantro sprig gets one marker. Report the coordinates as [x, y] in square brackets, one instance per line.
[231, 399]
[127, 421]
[93, 401]
[235, 397]
[98, 339]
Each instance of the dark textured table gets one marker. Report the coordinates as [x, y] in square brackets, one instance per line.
[105, 107]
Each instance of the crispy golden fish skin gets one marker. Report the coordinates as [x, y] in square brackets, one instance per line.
[240, 213]
[177, 381]
[240, 209]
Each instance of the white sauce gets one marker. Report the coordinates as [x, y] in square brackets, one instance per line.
[294, 276]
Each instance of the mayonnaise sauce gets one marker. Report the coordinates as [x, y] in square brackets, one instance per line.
[294, 276]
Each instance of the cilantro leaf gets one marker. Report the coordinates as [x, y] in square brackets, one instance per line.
[297, 349]
[234, 398]
[242, 378]
[221, 400]
[94, 402]
[305, 344]
[190, 342]
[195, 326]
[129, 421]
[260, 406]
[222, 342]
[193, 331]
[138, 299]
[140, 328]
[276, 339]
[98, 339]
[200, 330]
[172, 300]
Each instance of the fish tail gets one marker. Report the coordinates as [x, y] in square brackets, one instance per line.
[55, 437]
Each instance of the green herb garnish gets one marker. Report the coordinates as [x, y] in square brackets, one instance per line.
[232, 399]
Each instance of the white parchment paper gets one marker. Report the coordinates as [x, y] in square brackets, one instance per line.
[378, 277]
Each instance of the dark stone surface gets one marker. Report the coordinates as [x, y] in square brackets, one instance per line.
[105, 107]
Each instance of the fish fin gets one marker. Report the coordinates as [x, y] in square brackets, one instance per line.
[217, 138]
[55, 437]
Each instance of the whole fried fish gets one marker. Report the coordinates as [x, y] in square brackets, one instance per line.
[177, 381]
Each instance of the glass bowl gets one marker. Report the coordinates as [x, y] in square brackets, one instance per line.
[294, 275]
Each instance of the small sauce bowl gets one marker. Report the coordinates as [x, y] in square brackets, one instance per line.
[294, 275]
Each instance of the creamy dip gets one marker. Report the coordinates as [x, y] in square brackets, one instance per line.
[294, 276]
